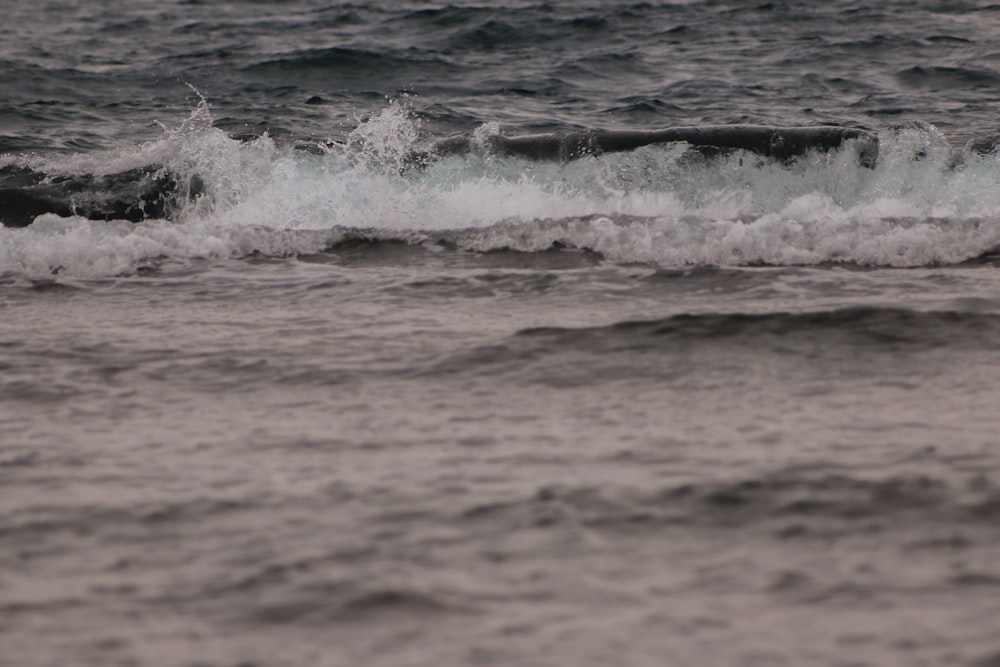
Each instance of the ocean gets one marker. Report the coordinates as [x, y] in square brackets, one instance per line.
[284, 383]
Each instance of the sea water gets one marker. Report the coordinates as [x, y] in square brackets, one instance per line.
[643, 408]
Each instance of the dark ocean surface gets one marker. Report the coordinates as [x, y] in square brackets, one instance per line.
[273, 392]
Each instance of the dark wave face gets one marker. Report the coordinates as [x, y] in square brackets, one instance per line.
[686, 351]
[854, 328]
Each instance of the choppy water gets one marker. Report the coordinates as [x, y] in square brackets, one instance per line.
[318, 407]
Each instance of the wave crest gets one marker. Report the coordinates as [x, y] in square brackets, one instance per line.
[660, 204]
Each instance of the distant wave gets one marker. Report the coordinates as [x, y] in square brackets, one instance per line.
[349, 67]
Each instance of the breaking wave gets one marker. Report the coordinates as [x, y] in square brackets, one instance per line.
[198, 193]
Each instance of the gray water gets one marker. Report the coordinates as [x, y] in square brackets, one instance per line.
[634, 409]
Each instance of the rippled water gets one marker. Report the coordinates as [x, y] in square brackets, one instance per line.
[84, 75]
[270, 394]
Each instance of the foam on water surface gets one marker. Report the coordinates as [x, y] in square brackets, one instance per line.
[661, 205]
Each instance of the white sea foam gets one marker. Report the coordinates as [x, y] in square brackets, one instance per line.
[659, 204]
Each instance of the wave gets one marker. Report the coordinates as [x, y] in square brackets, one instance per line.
[948, 78]
[790, 503]
[857, 327]
[198, 193]
[351, 67]
[683, 351]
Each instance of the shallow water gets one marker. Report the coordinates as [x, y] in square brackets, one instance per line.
[387, 456]
[635, 409]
